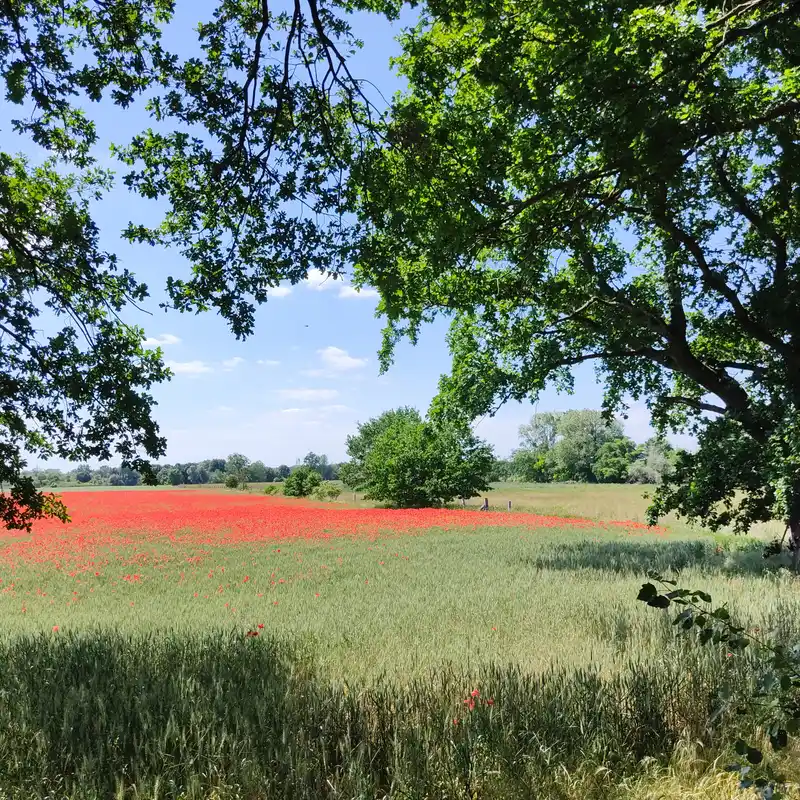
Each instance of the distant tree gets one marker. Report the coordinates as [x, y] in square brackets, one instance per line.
[319, 463]
[128, 476]
[231, 481]
[302, 482]
[237, 465]
[218, 476]
[83, 474]
[581, 434]
[196, 473]
[541, 433]
[283, 472]
[614, 460]
[213, 465]
[270, 474]
[502, 470]
[655, 462]
[175, 476]
[413, 463]
[115, 479]
[532, 466]
[257, 472]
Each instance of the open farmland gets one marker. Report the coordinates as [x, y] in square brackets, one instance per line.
[187, 643]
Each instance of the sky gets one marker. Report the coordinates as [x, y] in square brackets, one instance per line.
[310, 373]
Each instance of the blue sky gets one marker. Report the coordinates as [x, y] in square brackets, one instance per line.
[310, 372]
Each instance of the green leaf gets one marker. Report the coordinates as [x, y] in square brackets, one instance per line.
[647, 592]
[754, 755]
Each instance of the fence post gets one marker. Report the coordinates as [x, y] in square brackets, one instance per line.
[509, 505]
[463, 503]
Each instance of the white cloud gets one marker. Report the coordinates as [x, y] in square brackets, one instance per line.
[266, 362]
[348, 292]
[279, 291]
[291, 410]
[189, 367]
[319, 281]
[160, 341]
[232, 363]
[308, 395]
[337, 360]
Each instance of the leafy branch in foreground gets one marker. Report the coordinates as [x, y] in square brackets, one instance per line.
[778, 694]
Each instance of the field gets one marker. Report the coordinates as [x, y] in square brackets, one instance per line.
[193, 643]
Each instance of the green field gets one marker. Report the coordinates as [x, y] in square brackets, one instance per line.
[356, 684]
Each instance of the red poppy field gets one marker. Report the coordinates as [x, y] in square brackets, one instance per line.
[209, 644]
[342, 577]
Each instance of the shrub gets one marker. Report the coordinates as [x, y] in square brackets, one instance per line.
[271, 489]
[302, 482]
[328, 490]
[231, 481]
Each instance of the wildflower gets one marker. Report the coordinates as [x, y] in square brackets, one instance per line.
[55, 628]
[260, 625]
[475, 693]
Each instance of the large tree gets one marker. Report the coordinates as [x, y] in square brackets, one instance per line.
[613, 183]
[253, 129]
[402, 460]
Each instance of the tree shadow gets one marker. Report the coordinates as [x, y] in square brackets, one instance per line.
[639, 557]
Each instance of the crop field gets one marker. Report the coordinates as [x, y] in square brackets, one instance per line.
[205, 644]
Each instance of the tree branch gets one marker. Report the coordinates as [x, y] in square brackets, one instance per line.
[691, 402]
[765, 228]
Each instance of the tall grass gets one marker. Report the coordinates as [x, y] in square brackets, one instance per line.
[92, 715]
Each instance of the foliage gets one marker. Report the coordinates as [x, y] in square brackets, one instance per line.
[405, 461]
[242, 143]
[613, 184]
[256, 472]
[613, 460]
[654, 462]
[328, 490]
[237, 465]
[83, 474]
[302, 482]
[532, 466]
[776, 703]
[231, 481]
[272, 489]
[360, 443]
[283, 472]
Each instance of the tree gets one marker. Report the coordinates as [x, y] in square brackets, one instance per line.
[613, 461]
[581, 434]
[257, 472]
[541, 433]
[532, 466]
[283, 472]
[412, 463]
[196, 473]
[611, 184]
[237, 465]
[270, 474]
[317, 463]
[83, 473]
[269, 141]
[655, 461]
[360, 443]
[302, 482]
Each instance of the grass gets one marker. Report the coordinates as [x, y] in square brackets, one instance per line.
[150, 687]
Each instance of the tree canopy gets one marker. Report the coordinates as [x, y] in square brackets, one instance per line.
[608, 183]
[402, 460]
[252, 129]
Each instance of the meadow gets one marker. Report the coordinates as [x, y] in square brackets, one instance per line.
[192, 643]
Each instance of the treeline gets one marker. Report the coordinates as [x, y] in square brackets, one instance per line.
[584, 446]
[235, 470]
[403, 459]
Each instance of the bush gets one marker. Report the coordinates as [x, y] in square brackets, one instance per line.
[231, 481]
[302, 482]
[271, 489]
[328, 490]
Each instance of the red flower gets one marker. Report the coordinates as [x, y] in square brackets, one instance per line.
[475, 693]
[55, 628]
[260, 625]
